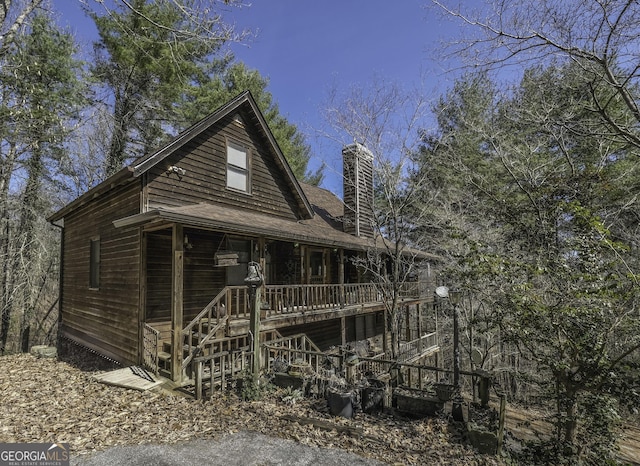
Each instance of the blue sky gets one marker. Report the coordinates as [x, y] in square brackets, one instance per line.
[306, 47]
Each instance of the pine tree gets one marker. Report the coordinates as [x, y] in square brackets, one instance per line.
[42, 96]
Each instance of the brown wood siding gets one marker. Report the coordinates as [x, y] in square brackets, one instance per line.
[158, 299]
[202, 280]
[105, 319]
[204, 181]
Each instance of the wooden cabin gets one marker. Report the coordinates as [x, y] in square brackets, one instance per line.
[158, 252]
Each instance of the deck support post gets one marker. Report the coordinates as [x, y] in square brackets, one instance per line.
[407, 323]
[419, 319]
[341, 278]
[177, 287]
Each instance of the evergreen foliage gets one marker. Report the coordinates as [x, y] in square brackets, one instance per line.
[42, 95]
[543, 205]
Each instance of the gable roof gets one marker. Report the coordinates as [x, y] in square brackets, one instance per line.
[145, 163]
[246, 100]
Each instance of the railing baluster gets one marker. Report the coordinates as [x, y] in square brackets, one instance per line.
[198, 380]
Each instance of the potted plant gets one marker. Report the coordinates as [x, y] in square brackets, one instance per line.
[416, 402]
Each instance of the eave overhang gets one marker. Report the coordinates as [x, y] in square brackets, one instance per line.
[233, 221]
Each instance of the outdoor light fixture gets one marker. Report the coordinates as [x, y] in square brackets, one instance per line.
[177, 170]
[442, 292]
[454, 297]
[254, 276]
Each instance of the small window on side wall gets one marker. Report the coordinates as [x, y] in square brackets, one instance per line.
[237, 167]
[94, 263]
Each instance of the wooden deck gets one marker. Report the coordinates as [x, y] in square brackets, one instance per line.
[227, 315]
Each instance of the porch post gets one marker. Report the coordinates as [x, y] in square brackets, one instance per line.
[142, 310]
[177, 273]
[254, 325]
[254, 282]
[385, 341]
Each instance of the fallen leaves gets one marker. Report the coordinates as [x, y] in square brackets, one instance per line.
[44, 400]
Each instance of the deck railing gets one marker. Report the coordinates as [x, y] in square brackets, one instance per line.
[280, 354]
[202, 327]
[233, 303]
[285, 299]
[410, 350]
[294, 349]
[215, 370]
[286, 349]
[412, 375]
[150, 338]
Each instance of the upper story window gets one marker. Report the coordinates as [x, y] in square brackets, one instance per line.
[237, 167]
[94, 263]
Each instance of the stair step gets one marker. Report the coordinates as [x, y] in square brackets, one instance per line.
[166, 347]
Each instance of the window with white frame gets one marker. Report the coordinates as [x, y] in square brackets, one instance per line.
[237, 167]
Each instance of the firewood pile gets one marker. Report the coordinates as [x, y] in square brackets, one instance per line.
[45, 400]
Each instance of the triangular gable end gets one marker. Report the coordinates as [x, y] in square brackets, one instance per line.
[244, 99]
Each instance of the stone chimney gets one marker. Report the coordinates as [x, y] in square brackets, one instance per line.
[357, 165]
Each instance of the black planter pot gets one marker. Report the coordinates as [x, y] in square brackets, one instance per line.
[341, 404]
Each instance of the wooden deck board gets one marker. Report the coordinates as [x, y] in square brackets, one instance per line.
[127, 379]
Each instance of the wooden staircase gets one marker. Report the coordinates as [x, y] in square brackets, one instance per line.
[205, 341]
[203, 335]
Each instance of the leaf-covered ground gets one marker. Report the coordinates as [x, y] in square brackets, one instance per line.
[45, 400]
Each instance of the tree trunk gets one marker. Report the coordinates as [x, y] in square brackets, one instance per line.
[6, 286]
[571, 423]
[123, 116]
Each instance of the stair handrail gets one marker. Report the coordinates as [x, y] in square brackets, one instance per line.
[204, 341]
[205, 311]
[186, 331]
[312, 345]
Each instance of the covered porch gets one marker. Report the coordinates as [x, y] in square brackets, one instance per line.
[194, 301]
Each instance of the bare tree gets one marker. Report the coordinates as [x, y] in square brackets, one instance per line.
[13, 16]
[601, 37]
[385, 120]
